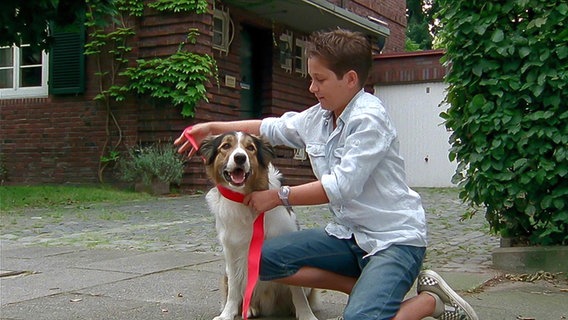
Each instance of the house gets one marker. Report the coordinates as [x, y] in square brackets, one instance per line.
[52, 131]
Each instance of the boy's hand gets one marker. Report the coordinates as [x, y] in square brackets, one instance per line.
[262, 201]
[190, 139]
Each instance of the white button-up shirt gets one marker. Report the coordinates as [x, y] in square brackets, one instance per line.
[362, 173]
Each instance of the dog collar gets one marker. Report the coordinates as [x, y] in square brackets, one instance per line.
[230, 194]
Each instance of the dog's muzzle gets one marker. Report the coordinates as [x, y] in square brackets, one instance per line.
[235, 172]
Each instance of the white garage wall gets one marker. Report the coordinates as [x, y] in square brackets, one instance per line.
[415, 110]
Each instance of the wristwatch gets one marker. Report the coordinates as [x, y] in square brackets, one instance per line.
[283, 194]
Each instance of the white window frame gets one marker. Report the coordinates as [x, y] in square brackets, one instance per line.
[226, 28]
[25, 92]
[302, 69]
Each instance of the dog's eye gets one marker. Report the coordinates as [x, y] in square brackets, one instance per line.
[226, 146]
[250, 148]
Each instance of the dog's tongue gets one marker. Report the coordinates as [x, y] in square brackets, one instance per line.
[238, 176]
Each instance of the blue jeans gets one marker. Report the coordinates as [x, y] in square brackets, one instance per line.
[383, 279]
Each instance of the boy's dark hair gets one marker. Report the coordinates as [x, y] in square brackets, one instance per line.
[342, 50]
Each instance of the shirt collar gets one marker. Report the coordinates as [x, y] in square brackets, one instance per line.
[347, 111]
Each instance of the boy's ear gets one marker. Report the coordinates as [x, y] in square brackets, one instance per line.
[352, 78]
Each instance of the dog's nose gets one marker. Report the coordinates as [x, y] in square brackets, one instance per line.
[240, 158]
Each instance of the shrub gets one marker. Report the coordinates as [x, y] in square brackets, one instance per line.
[150, 163]
[508, 83]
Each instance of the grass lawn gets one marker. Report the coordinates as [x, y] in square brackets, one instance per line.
[18, 197]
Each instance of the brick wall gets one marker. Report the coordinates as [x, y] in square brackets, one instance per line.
[393, 12]
[59, 139]
[55, 140]
[408, 67]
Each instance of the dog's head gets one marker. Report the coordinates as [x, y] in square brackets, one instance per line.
[237, 160]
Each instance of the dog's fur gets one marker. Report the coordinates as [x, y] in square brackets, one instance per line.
[241, 162]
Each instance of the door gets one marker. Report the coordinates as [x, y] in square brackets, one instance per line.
[256, 71]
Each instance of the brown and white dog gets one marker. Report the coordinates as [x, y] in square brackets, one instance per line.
[242, 163]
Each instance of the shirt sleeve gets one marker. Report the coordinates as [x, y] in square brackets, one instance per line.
[368, 140]
[284, 130]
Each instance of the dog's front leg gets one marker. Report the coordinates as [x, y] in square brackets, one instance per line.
[234, 290]
[301, 304]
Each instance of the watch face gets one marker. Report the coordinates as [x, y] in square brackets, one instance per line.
[283, 192]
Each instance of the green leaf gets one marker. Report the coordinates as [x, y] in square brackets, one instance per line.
[524, 51]
[497, 36]
[562, 52]
[478, 101]
[560, 204]
[520, 163]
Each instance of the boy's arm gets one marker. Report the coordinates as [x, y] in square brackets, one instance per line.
[201, 131]
[310, 193]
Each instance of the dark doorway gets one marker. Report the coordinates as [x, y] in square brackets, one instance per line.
[256, 70]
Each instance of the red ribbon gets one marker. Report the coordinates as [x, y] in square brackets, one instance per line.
[254, 248]
[255, 242]
[191, 140]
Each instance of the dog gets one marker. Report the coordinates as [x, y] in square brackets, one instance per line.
[242, 163]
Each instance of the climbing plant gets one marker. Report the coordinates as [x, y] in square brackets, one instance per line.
[108, 45]
[177, 80]
[508, 83]
[197, 6]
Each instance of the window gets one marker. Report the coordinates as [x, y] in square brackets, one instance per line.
[27, 71]
[222, 26]
[23, 72]
[285, 48]
[300, 60]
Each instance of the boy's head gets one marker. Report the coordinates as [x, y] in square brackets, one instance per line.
[341, 51]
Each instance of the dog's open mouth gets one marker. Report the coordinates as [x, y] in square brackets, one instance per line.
[237, 177]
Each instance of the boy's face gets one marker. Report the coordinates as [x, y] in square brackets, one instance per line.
[332, 93]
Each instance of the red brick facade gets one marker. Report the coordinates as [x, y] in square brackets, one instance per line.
[59, 139]
[408, 67]
[393, 12]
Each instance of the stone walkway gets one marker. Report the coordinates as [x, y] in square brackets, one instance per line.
[184, 223]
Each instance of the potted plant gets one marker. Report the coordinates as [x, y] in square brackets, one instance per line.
[152, 168]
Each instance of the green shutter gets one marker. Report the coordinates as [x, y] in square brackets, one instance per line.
[67, 61]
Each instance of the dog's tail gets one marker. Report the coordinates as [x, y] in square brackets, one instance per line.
[275, 177]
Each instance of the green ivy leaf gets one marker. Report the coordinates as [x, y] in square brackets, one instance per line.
[498, 36]
[524, 51]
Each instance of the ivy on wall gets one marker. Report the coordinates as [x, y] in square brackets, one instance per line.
[178, 80]
[508, 83]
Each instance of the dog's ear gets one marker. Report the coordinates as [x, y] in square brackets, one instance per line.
[208, 148]
[265, 150]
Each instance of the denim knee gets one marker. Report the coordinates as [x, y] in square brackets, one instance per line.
[272, 263]
[385, 280]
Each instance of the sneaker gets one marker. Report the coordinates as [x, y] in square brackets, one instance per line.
[454, 307]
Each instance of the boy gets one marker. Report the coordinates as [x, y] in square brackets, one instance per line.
[374, 250]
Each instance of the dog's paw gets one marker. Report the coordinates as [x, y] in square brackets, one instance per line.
[253, 312]
[221, 317]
